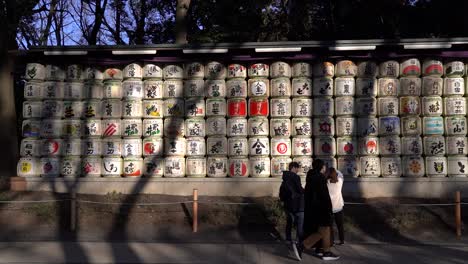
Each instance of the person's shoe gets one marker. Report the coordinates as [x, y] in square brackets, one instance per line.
[298, 249]
[318, 252]
[330, 256]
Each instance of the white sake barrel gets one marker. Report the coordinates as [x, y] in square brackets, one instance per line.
[195, 127]
[457, 166]
[278, 165]
[72, 128]
[280, 146]
[195, 167]
[454, 86]
[258, 70]
[323, 86]
[413, 166]
[391, 166]
[174, 146]
[32, 109]
[236, 88]
[215, 88]
[259, 146]
[367, 69]
[324, 106]
[345, 86]
[434, 146]
[191, 88]
[215, 71]
[113, 74]
[111, 127]
[50, 166]
[368, 146]
[260, 167]
[132, 89]
[216, 107]
[152, 71]
[432, 86]
[174, 127]
[330, 161]
[301, 87]
[258, 87]
[305, 164]
[346, 146]
[174, 107]
[111, 108]
[344, 106]
[112, 147]
[301, 69]
[237, 107]
[258, 126]
[325, 68]
[71, 147]
[132, 128]
[411, 145]
[432, 105]
[302, 146]
[153, 108]
[345, 126]
[455, 125]
[132, 167]
[411, 125]
[33, 90]
[53, 147]
[216, 125]
[349, 166]
[436, 167]
[91, 167]
[410, 105]
[258, 106]
[175, 88]
[71, 109]
[433, 125]
[195, 146]
[366, 106]
[216, 167]
[345, 68]
[367, 126]
[92, 147]
[237, 126]
[49, 128]
[112, 90]
[432, 68]
[324, 146]
[111, 166]
[280, 69]
[370, 166]
[93, 74]
[153, 166]
[323, 126]
[132, 147]
[389, 69]
[280, 107]
[236, 71]
[53, 90]
[54, 73]
[92, 128]
[411, 86]
[54, 109]
[280, 87]
[30, 147]
[301, 107]
[410, 67]
[454, 69]
[238, 146]
[390, 145]
[238, 167]
[366, 87]
[457, 145]
[153, 146]
[195, 107]
[389, 125]
[173, 71]
[132, 109]
[455, 106]
[34, 71]
[73, 91]
[388, 87]
[133, 71]
[300, 126]
[92, 109]
[281, 127]
[194, 70]
[28, 167]
[216, 145]
[70, 166]
[174, 167]
[153, 89]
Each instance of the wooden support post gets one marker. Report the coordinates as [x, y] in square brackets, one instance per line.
[195, 211]
[73, 211]
[458, 213]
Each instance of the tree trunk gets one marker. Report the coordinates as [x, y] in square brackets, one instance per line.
[181, 21]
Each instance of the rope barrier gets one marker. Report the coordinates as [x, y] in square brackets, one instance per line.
[39, 201]
[134, 204]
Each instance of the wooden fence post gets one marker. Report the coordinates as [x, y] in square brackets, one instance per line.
[195, 211]
[458, 213]
[73, 211]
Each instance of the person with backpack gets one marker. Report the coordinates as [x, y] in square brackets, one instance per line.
[292, 196]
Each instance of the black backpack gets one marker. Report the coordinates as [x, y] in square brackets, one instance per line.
[285, 193]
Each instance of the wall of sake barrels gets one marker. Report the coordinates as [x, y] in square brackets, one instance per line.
[208, 119]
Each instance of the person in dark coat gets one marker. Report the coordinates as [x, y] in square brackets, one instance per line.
[293, 201]
[317, 212]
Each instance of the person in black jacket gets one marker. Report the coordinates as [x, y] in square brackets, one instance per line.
[292, 195]
[318, 212]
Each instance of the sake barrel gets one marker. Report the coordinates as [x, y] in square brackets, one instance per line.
[258, 87]
[432, 86]
[368, 146]
[323, 106]
[302, 146]
[345, 86]
[237, 126]
[73, 91]
[236, 88]
[238, 146]
[410, 67]
[280, 87]
[54, 90]
[174, 167]
[217, 167]
[72, 128]
[33, 90]
[345, 126]
[215, 88]
[346, 146]
[367, 69]
[389, 125]
[28, 167]
[236, 71]
[434, 145]
[457, 145]
[280, 146]
[301, 87]
[305, 164]
[259, 146]
[153, 89]
[280, 69]
[370, 166]
[111, 108]
[70, 166]
[195, 127]
[260, 167]
[411, 145]
[71, 147]
[152, 71]
[153, 166]
[367, 126]
[324, 68]
[432, 67]
[280, 107]
[410, 86]
[330, 161]
[113, 74]
[91, 167]
[432, 105]
[301, 69]
[302, 126]
[32, 109]
[111, 166]
[389, 69]
[93, 147]
[349, 166]
[216, 125]
[132, 89]
[50, 166]
[112, 90]
[454, 86]
[132, 128]
[174, 146]
[215, 71]
[49, 128]
[237, 107]
[53, 109]
[323, 86]
[175, 88]
[195, 167]
[390, 145]
[411, 125]
[195, 107]
[281, 127]
[174, 107]
[173, 71]
[192, 88]
[391, 166]
[455, 106]
[195, 146]
[174, 127]
[53, 147]
[132, 147]
[111, 127]
[194, 70]
[388, 87]
[111, 147]
[454, 69]
[344, 106]
[30, 147]
[153, 146]
[258, 70]
[301, 107]
[153, 108]
[54, 73]
[436, 167]
[132, 167]
[433, 125]
[366, 87]
[92, 128]
[278, 165]
[93, 74]
[366, 106]
[133, 71]
[216, 145]
[410, 105]
[258, 126]
[34, 71]
[324, 146]
[413, 166]
[92, 109]
[457, 166]
[323, 126]
[455, 125]
[238, 167]
[72, 109]
[345, 68]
